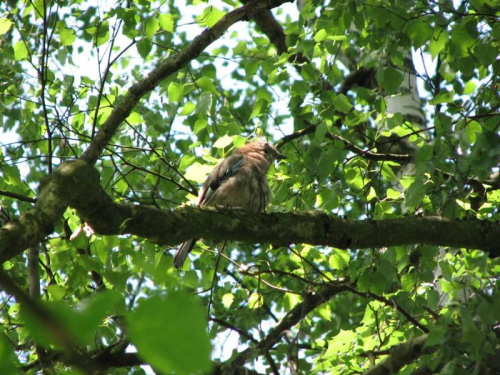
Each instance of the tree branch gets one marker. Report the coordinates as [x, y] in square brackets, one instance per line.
[399, 158]
[400, 356]
[76, 184]
[392, 302]
[348, 145]
[17, 196]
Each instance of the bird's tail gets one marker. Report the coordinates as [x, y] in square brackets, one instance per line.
[182, 253]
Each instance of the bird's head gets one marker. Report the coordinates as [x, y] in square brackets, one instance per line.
[265, 149]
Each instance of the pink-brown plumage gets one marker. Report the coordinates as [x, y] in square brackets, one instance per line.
[238, 181]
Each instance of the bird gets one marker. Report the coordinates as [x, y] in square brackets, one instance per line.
[238, 181]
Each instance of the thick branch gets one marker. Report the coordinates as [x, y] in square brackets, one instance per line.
[168, 67]
[38, 222]
[315, 228]
[401, 356]
[77, 184]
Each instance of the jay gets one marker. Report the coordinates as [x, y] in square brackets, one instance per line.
[238, 181]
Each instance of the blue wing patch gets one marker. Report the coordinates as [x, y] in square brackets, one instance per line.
[230, 172]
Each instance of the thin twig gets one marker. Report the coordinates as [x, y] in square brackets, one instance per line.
[17, 196]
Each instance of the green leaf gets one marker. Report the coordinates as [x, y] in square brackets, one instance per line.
[227, 300]
[408, 281]
[170, 333]
[415, 193]
[343, 342]
[7, 357]
[200, 124]
[11, 175]
[175, 92]
[419, 32]
[167, 22]
[320, 36]
[206, 85]
[211, 16]
[223, 141]
[377, 283]
[135, 118]
[144, 47]
[5, 25]
[336, 38]
[437, 335]
[151, 27]
[446, 270]
[198, 172]
[443, 97]
[342, 104]
[393, 194]
[339, 260]
[101, 305]
[79, 324]
[469, 88]
[387, 171]
[56, 292]
[251, 68]
[486, 53]
[320, 131]
[259, 108]
[67, 36]
[291, 300]
[364, 281]
[472, 128]
[255, 300]
[20, 51]
[100, 33]
[438, 42]
[389, 79]
[355, 178]
[204, 103]
[433, 298]
[188, 108]
[372, 194]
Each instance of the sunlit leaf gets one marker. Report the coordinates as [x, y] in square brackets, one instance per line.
[166, 22]
[210, 16]
[223, 141]
[67, 36]
[20, 51]
[339, 259]
[227, 300]
[255, 300]
[151, 27]
[175, 92]
[198, 172]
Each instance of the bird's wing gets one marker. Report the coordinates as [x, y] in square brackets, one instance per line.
[223, 171]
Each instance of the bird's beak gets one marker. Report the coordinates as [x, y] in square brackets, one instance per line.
[280, 156]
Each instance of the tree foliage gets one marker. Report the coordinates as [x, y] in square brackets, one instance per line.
[379, 252]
